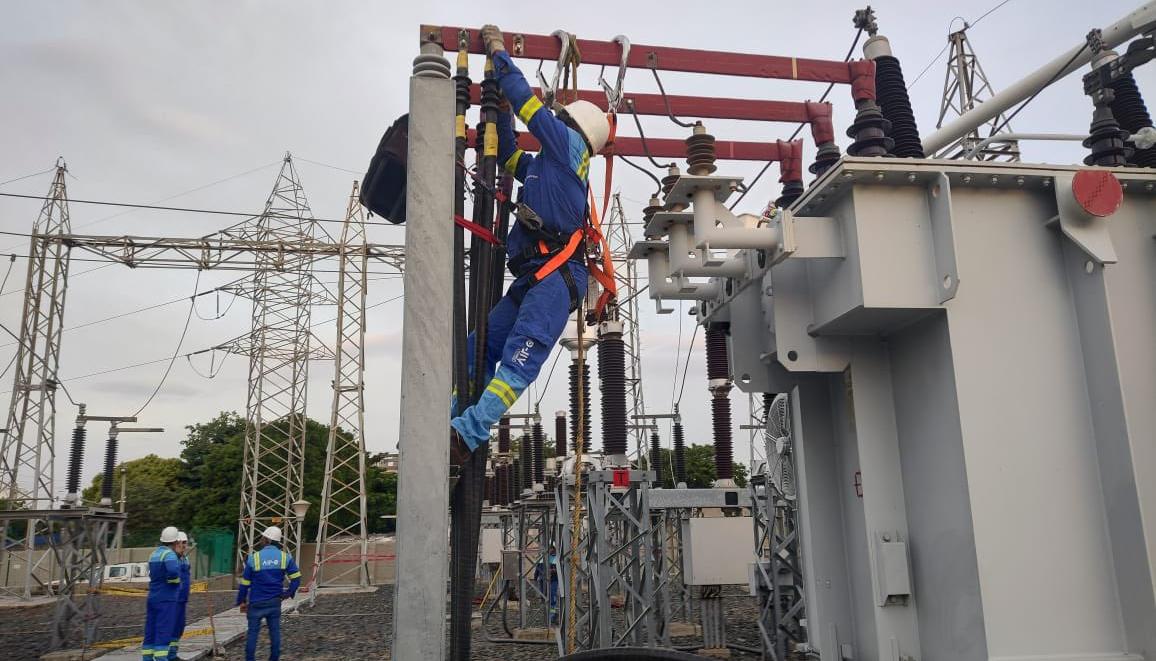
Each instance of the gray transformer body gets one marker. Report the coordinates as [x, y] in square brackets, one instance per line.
[972, 364]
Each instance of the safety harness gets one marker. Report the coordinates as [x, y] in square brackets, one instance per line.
[585, 245]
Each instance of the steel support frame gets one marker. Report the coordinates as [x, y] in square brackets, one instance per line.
[29, 440]
[620, 557]
[342, 526]
[274, 453]
[80, 548]
[778, 579]
[535, 531]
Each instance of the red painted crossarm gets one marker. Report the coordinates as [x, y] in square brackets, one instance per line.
[671, 148]
[694, 107]
[547, 47]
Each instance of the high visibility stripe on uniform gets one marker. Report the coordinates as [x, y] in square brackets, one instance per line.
[295, 574]
[503, 391]
[254, 559]
[531, 106]
[584, 166]
[174, 580]
[511, 164]
[245, 581]
[284, 559]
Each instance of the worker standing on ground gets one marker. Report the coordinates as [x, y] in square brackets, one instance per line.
[182, 549]
[546, 247]
[263, 588]
[161, 606]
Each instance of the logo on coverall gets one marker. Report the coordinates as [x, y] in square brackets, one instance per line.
[523, 353]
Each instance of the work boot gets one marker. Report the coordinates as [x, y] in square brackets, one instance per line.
[459, 451]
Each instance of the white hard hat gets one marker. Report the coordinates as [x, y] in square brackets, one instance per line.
[592, 122]
[182, 536]
[169, 534]
[272, 533]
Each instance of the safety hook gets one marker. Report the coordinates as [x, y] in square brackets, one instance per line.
[550, 89]
[614, 94]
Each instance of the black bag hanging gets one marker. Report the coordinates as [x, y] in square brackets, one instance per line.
[383, 188]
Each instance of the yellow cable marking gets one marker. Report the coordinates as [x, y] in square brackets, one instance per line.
[794, 68]
[460, 126]
[490, 145]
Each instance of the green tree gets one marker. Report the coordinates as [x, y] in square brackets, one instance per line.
[153, 492]
[700, 473]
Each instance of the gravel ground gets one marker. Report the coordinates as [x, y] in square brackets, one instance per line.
[24, 630]
[356, 626]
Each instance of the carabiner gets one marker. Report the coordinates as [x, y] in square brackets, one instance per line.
[614, 94]
[550, 90]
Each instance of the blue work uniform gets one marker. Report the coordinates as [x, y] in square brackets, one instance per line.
[182, 607]
[164, 588]
[263, 586]
[526, 323]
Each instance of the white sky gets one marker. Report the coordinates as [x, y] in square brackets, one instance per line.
[147, 100]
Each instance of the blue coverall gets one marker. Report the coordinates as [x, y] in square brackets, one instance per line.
[164, 586]
[262, 584]
[182, 607]
[528, 320]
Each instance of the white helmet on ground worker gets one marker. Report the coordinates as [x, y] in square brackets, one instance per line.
[591, 121]
[182, 536]
[272, 533]
[169, 535]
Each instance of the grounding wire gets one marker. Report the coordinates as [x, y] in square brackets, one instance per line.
[799, 128]
[642, 138]
[657, 183]
[542, 391]
[686, 366]
[666, 101]
[177, 350]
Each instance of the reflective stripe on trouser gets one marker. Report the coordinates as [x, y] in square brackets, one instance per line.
[526, 324]
[159, 621]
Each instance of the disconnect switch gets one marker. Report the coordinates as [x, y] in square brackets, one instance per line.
[892, 571]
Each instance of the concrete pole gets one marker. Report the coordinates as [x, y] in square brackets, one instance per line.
[419, 610]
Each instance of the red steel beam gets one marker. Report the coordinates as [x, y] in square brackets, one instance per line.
[695, 107]
[670, 148]
[546, 47]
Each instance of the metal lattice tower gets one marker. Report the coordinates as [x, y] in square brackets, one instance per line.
[28, 450]
[341, 531]
[626, 275]
[964, 87]
[278, 366]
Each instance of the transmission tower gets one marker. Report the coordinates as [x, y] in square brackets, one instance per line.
[28, 450]
[341, 531]
[626, 275]
[279, 353]
[964, 87]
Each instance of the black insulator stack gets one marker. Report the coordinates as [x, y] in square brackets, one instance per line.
[700, 152]
[720, 411]
[76, 459]
[526, 461]
[559, 435]
[669, 180]
[489, 489]
[891, 93]
[653, 207]
[869, 131]
[826, 155]
[504, 435]
[516, 485]
[791, 192]
[109, 468]
[1106, 140]
[612, 374]
[679, 454]
[718, 373]
[499, 486]
[538, 455]
[1129, 110]
[717, 363]
[580, 413]
[507, 484]
[655, 452]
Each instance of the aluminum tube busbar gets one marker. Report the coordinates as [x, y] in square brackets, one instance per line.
[707, 235]
[681, 262]
[1115, 34]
